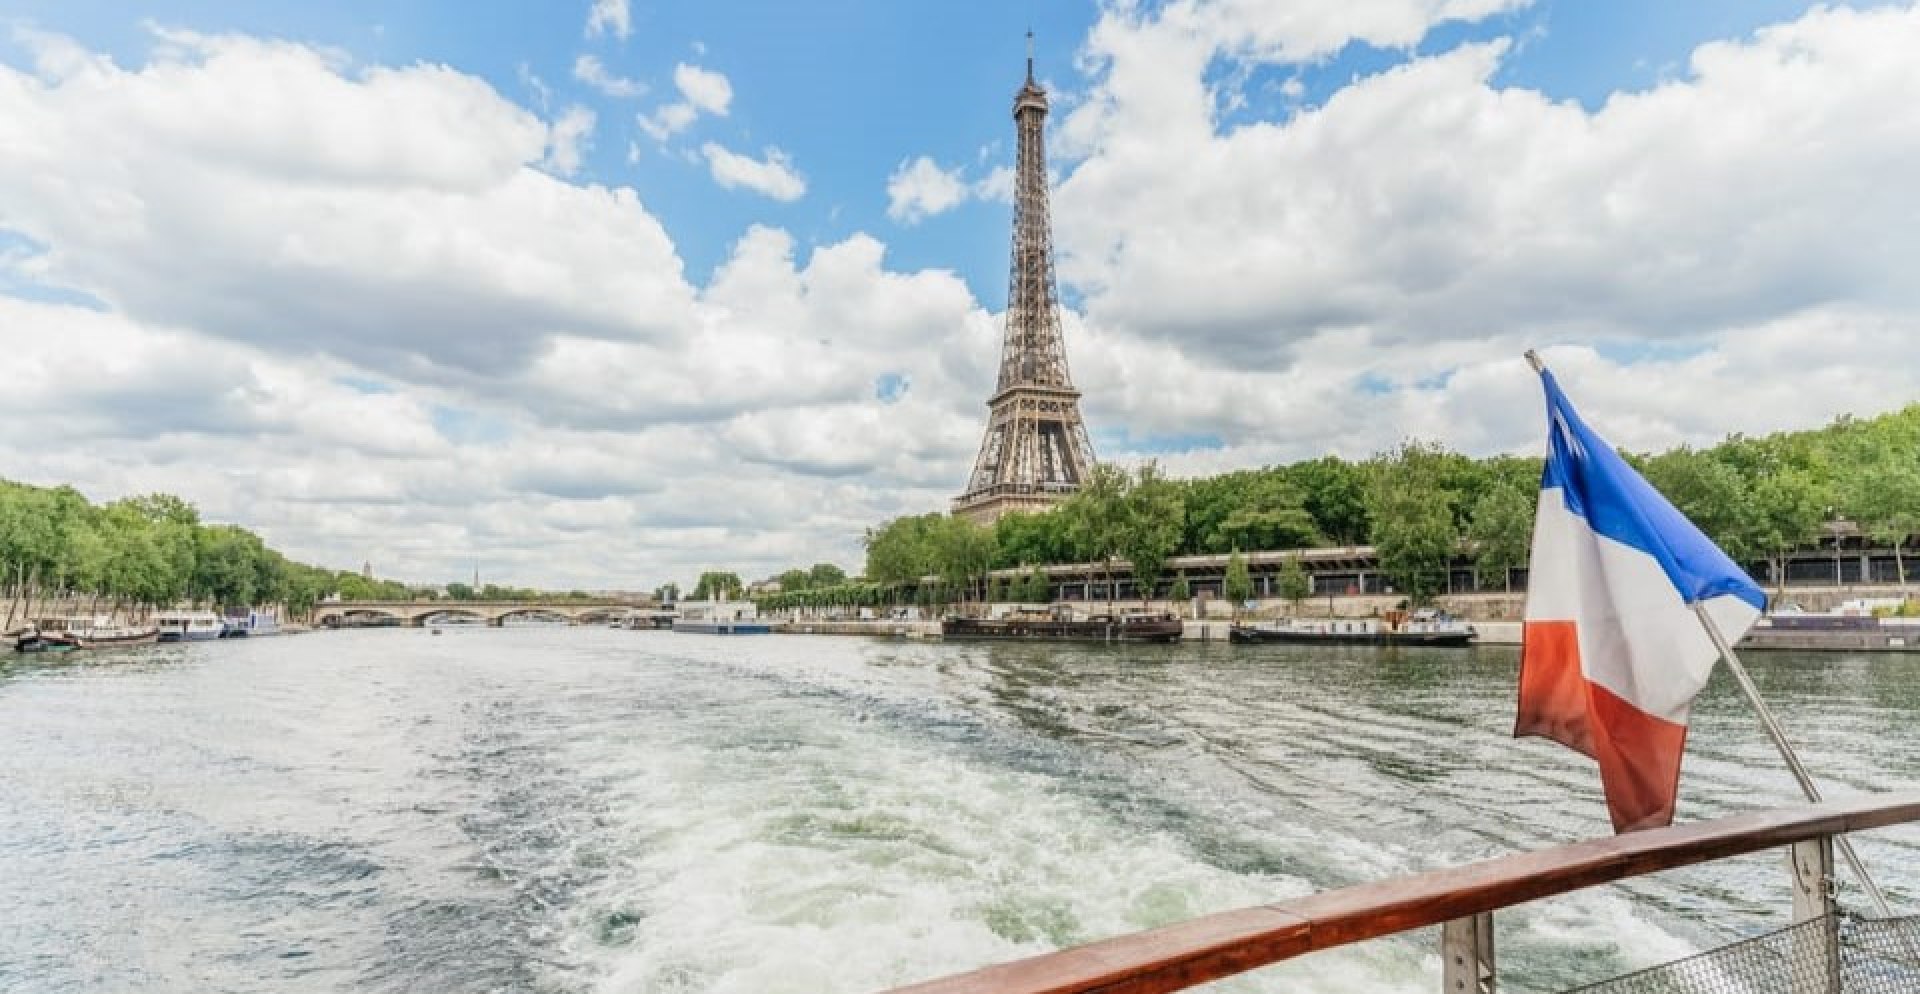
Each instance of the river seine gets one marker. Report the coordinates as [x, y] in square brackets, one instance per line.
[552, 809]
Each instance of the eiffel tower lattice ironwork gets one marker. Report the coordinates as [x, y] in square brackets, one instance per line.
[1036, 450]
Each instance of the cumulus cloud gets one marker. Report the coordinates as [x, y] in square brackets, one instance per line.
[590, 70]
[254, 191]
[1426, 201]
[570, 134]
[920, 189]
[379, 283]
[701, 91]
[773, 176]
[609, 17]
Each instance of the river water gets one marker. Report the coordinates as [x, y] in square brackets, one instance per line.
[592, 810]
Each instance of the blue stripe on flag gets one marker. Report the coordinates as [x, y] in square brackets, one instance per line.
[1617, 502]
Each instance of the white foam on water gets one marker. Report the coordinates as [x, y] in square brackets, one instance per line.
[845, 857]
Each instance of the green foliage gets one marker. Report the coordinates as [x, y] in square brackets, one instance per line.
[1181, 589]
[1155, 512]
[996, 591]
[149, 550]
[1238, 583]
[1136, 516]
[1884, 497]
[716, 584]
[1039, 589]
[1501, 530]
[1295, 585]
[1412, 497]
[1022, 539]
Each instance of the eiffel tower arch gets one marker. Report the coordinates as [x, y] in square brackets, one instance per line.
[1036, 451]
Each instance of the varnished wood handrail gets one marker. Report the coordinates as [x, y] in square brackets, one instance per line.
[1204, 949]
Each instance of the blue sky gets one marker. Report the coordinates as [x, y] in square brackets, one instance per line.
[851, 89]
[717, 284]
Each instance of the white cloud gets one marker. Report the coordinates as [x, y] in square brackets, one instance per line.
[920, 189]
[610, 17]
[701, 90]
[772, 176]
[997, 184]
[1428, 202]
[590, 70]
[303, 194]
[566, 141]
[668, 121]
[705, 89]
[376, 282]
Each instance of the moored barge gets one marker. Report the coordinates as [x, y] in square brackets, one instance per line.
[1429, 628]
[1060, 627]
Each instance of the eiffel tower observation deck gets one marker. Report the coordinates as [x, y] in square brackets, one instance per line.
[1036, 450]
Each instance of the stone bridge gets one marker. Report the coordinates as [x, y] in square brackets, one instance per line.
[413, 614]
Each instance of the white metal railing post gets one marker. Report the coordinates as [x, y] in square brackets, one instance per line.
[1816, 953]
[1466, 955]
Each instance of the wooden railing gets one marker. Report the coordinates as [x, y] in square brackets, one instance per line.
[1461, 900]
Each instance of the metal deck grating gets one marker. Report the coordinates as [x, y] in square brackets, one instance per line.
[1876, 956]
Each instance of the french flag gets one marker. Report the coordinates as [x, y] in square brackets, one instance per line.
[1612, 652]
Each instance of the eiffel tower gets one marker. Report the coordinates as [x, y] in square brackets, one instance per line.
[1036, 450]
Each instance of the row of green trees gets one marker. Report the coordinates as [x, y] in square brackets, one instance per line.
[143, 551]
[154, 551]
[1421, 505]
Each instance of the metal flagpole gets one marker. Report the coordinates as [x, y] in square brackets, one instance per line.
[1779, 737]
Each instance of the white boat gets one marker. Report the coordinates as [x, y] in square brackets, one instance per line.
[188, 626]
[250, 624]
[720, 618]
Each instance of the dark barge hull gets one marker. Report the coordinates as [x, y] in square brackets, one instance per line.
[1438, 640]
[1834, 641]
[1045, 630]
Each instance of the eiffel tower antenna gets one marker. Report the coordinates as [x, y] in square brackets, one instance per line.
[1036, 451]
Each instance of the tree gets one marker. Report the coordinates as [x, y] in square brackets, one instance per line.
[1412, 509]
[1238, 584]
[460, 591]
[996, 591]
[1884, 498]
[1096, 518]
[1039, 589]
[964, 553]
[904, 550]
[1295, 585]
[826, 575]
[715, 585]
[1150, 528]
[1501, 530]
[794, 580]
[1181, 589]
[1334, 492]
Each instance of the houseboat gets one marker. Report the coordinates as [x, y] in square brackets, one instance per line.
[188, 626]
[720, 618]
[1063, 625]
[1426, 627]
[1852, 627]
[57, 634]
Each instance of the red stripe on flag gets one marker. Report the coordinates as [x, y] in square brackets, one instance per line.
[1639, 754]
